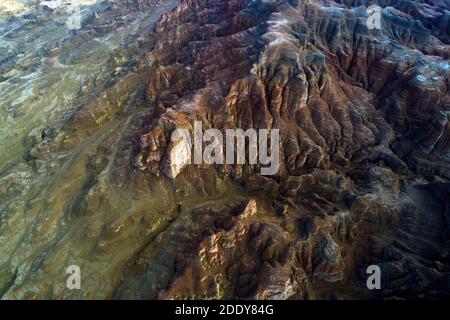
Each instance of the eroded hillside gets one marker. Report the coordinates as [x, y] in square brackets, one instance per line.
[86, 160]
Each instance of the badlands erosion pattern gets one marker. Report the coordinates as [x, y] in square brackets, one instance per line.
[91, 177]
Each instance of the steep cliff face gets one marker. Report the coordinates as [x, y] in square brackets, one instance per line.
[364, 169]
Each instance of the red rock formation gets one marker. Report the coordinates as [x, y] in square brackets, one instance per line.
[364, 127]
[346, 99]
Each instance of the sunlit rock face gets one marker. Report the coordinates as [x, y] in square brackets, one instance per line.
[178, 155]
[98, 181]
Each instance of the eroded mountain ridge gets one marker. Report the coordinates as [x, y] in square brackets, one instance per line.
[365, 140]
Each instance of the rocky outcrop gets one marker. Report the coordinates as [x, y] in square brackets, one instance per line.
[364, 128]
[339, 122]
[365, 107]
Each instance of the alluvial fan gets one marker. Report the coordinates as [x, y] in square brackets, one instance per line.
[91, 176]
